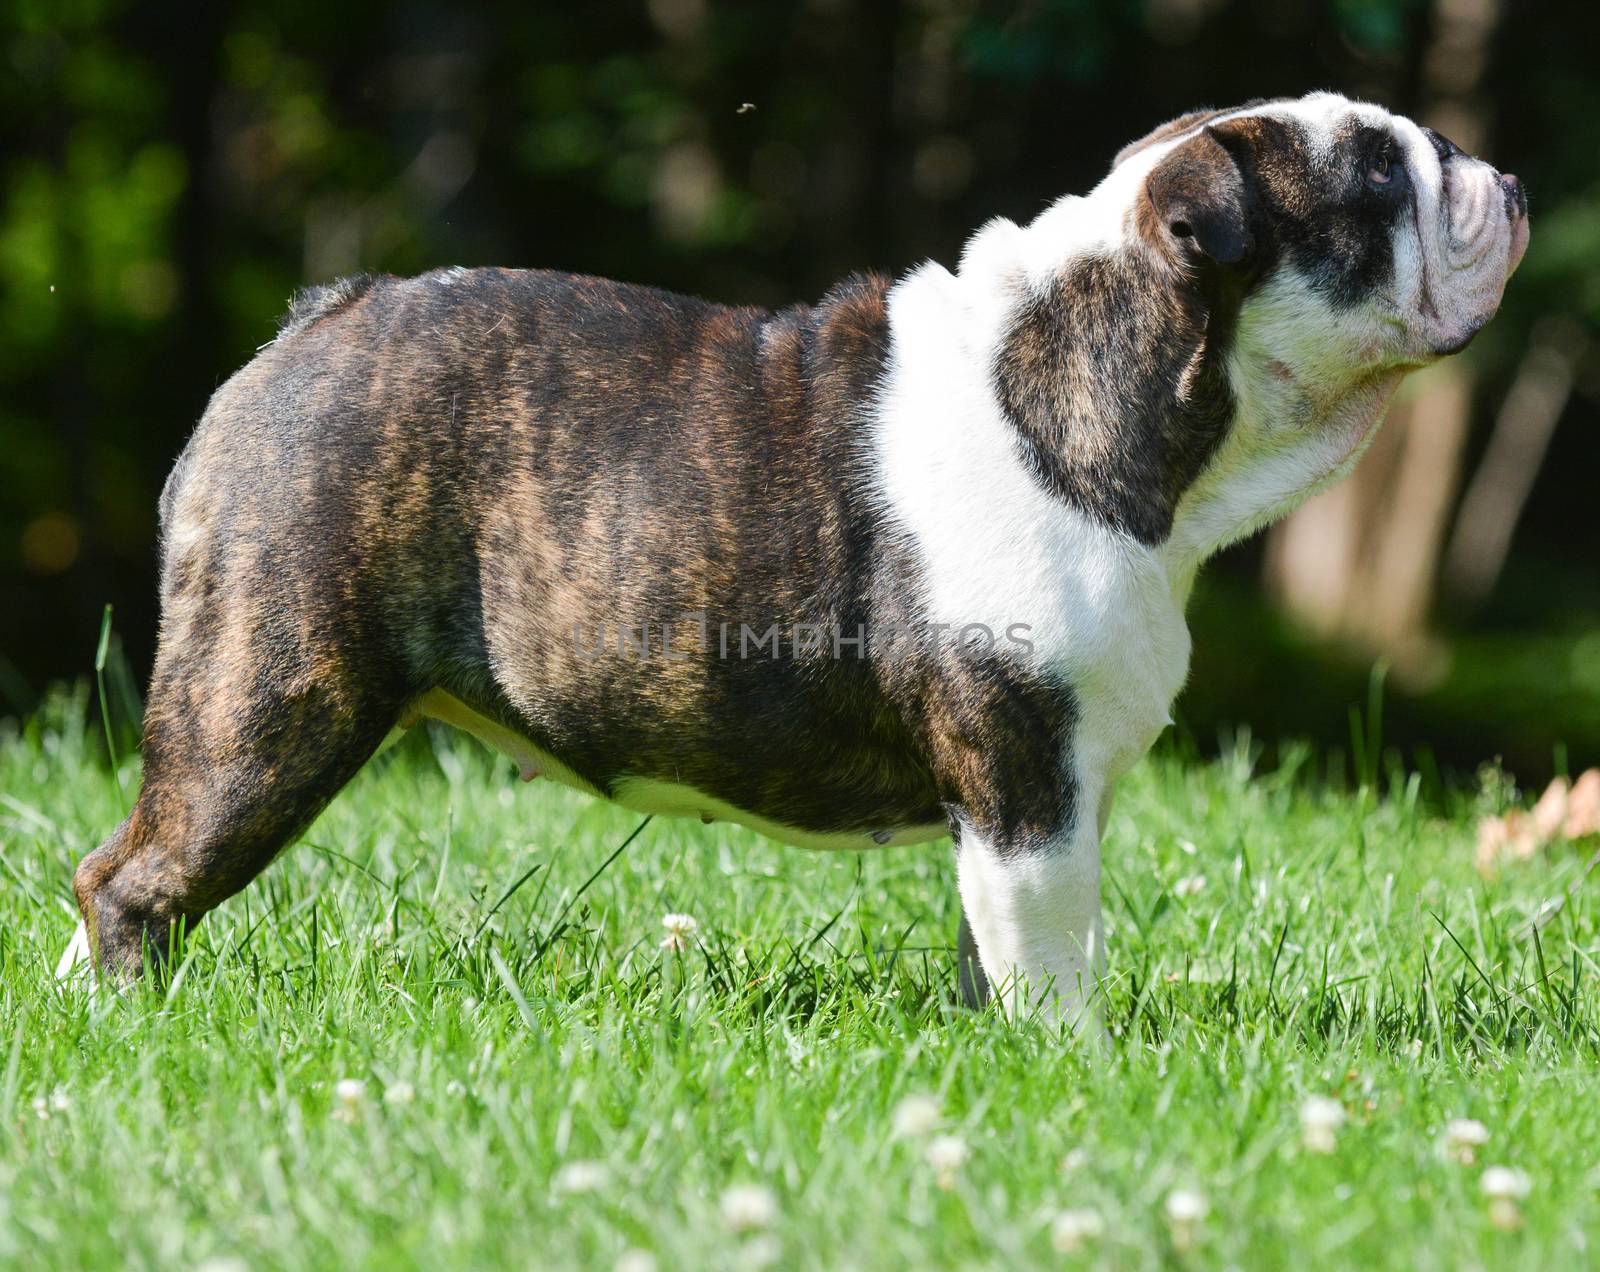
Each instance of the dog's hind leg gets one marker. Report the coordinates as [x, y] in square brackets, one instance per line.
[237, 762]
[261, 708]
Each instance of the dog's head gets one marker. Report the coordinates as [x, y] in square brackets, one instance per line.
[1400, 243]
[1272, 272]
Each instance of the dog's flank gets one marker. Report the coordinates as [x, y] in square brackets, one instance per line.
[412, 498]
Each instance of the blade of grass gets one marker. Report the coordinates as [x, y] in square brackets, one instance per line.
[561, 918]
[105, 705]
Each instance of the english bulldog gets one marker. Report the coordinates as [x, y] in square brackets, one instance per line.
[908, 563]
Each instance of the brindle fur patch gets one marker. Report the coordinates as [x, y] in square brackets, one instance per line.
[1314, 206]
[1115, 377]
[1165, 132]
[318, 302]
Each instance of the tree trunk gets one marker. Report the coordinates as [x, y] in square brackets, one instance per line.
[1500, 488]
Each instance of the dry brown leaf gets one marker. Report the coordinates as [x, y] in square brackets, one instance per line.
[1550, 813]
[1523, 834]
[1583, 806]
[1491, 842]
[1563, 812]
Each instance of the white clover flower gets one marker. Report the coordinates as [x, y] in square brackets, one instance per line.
[455, 1087]
[582, 1177]
[1071, 1230]
[680, 928]
[1185, 1210]
[1505, 1182]
[916, 1115]
[348, 1095]
[636, 1260]
[1463, 1136]
[1189, 885]
[1505, 1186]
[399, 1093]
[748, 1206]
[1185, 1205]
[1320, 1120]
[947, 1154]
[41, 1106]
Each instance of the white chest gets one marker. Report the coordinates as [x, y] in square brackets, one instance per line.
[995, 549]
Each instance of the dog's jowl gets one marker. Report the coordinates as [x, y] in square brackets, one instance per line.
[909, 562]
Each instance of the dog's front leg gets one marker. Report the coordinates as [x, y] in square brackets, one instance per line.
[1034, 912]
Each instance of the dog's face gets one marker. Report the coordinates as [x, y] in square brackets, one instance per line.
[1403, 241]
[1320, 248]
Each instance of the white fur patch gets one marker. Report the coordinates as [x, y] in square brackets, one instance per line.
[1036, 921]
[74, 964]
[995, 548]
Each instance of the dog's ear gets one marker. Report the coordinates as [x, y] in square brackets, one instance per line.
[1195, 203]
[1173, 127]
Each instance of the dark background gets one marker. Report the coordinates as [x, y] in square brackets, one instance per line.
[171, 174]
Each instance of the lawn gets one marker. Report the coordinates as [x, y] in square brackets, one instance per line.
[422, 1040]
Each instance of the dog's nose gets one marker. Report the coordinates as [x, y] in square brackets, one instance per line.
[1516, 197]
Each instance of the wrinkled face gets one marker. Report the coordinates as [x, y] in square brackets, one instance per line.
[1458, 228]
[1403, 241]
[1403, 230]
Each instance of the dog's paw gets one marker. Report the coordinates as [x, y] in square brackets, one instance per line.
[76, 964]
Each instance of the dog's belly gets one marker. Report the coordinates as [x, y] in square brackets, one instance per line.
[645, 795]
[652, 795]
[531, 761]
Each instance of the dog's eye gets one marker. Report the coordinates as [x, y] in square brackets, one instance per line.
[1382, 169]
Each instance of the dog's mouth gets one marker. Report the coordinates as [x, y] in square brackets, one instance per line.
[1456, 346]
[1484, 235]
[1483, 209]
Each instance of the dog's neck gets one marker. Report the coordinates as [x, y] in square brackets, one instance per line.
[1049, 425]
[1304, 413]
[996, 546]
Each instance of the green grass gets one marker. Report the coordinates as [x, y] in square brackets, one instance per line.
[1342, 945]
